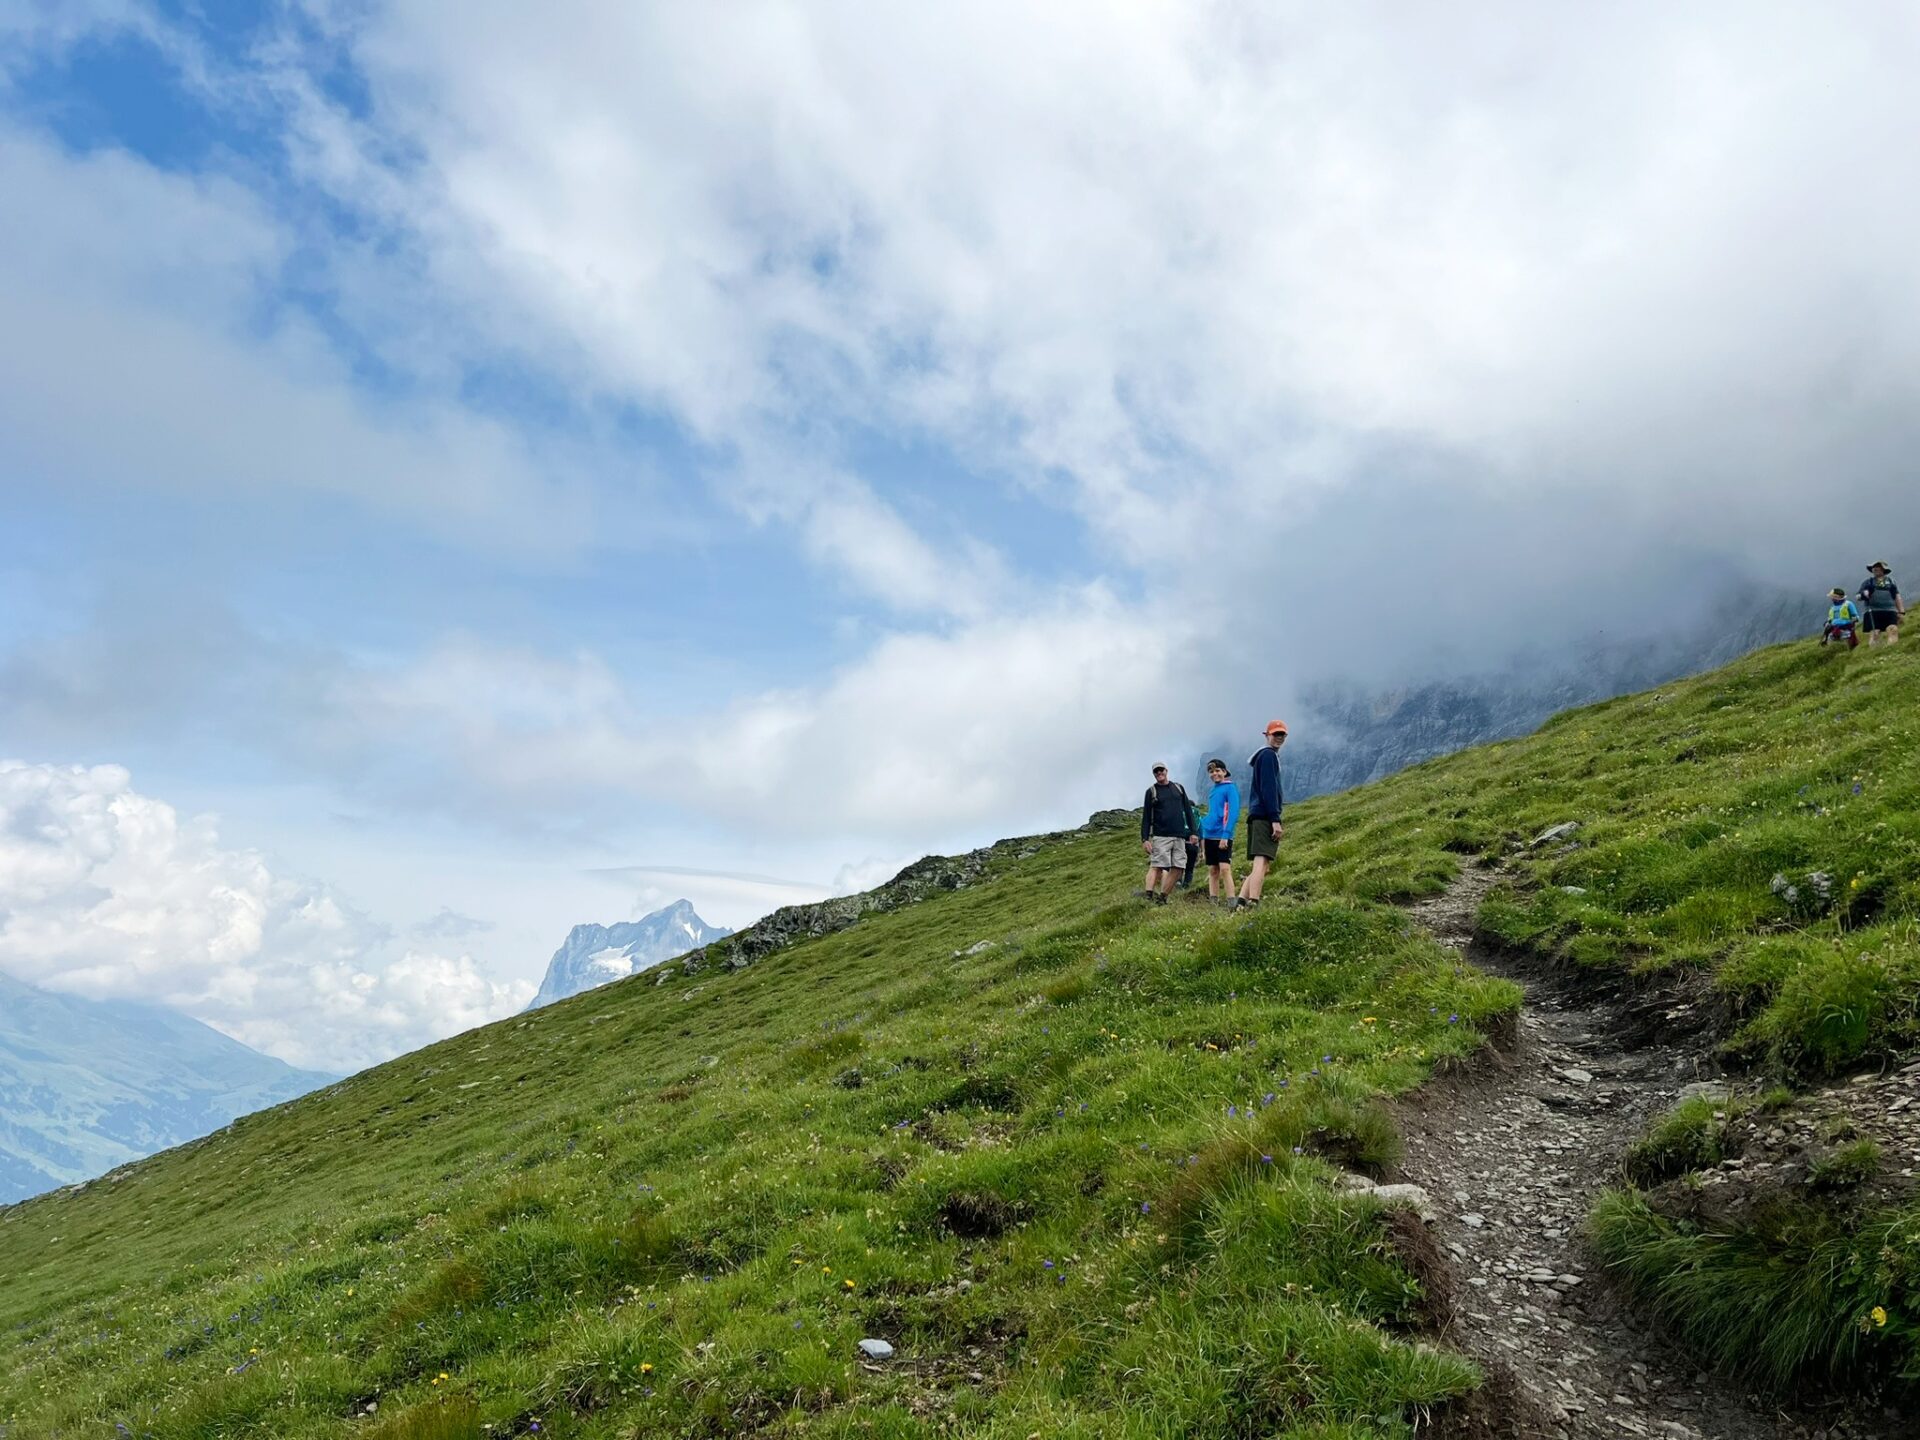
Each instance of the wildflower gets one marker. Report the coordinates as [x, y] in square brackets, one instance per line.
[1298, 1151]
[646, 1367]
[445, 1376]
[1267, 1099]
[1454, 1019]
[1046, 1264]
[1369, 1019]
[1266, 1159]
[1146, 1207]
[1878, 1315]
[1232, 1113]
[826, 1269]
[847, 1283]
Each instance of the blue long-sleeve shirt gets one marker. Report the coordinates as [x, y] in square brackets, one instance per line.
[1223, 809]
[1263, 789]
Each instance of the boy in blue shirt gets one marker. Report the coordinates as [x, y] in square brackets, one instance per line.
[1843, 619]
[1216, 831]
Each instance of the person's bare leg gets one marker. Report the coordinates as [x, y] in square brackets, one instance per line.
[1893, 634]
[1166, 883]
[1256, 878]
[1149, 882]
[1225, 870]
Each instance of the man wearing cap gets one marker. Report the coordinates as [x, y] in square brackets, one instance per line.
[1263, 814]
[1166, 825]
[1881, 603]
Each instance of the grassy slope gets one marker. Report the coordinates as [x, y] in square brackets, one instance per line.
[1059, 1185]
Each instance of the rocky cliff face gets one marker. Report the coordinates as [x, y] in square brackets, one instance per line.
[1347, 735]
[595, 954]
[86, 1085]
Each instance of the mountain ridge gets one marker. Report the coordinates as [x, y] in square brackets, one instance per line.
[89, 1085]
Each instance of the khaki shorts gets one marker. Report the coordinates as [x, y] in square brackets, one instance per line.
[1260, 842]
[1169, 852]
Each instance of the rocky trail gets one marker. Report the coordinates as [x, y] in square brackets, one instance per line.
[1511, 1152]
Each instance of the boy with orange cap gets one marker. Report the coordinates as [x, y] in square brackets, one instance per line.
[1263, 814]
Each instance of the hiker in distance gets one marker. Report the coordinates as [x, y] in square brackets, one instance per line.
[1166, 820]
[1843, 620]
[1216, 831]
[1880, 598]
[1263, 814]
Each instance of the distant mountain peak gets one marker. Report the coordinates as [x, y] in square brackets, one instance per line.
[595, 954]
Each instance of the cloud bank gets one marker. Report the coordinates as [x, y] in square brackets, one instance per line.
[109, 893]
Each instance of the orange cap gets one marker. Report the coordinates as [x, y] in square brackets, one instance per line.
[1273, 725]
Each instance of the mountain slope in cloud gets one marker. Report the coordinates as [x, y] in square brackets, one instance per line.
[86, 1085]
[595, 954]
[1349, 734]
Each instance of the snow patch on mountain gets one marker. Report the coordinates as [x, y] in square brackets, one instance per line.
[596, 954]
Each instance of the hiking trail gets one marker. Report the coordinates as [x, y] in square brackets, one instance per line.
[1512, 1151]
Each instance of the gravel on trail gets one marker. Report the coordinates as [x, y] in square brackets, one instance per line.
[1512, 1149]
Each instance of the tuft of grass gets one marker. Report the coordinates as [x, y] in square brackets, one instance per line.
[1791, 1297]
[1691, 1136]
[446, 1418]
[1851, 1164]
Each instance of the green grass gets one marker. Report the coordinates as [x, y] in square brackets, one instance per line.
[1794, 1293]
[1081, 1179]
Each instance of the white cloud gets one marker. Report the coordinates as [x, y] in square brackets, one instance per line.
[109, 893]
[1651, 251]
[853, 535]
[1001, 721]
[148, 349]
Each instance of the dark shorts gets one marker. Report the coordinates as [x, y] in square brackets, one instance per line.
[1219, 852]
[1260, 842]
[1881, 620]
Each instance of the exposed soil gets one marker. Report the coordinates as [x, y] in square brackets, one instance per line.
[1512, 1151]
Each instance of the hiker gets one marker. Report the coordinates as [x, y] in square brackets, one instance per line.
[1843, 620]
[1166, 820]
[1216, 830]
[1880, 598]
[1263, 814]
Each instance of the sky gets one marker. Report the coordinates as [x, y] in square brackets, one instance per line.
[471, 470]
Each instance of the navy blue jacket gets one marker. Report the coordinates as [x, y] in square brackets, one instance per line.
[1263, 789]
[1166, 812]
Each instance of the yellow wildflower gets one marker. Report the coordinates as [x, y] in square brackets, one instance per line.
[646, 1367]
[847, 1283]
[1878, 1315]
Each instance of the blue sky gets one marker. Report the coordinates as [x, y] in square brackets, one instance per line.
[455, 462]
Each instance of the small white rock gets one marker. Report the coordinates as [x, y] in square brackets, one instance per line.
[876, 1349]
